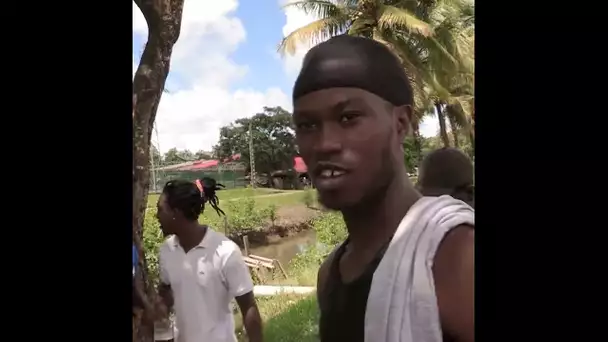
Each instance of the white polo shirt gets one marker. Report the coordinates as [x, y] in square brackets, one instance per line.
[204, 281]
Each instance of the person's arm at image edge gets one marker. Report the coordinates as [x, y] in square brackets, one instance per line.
[454, 273]
[240, 286]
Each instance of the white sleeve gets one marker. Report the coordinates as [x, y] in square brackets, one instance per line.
[162, 265]
[236, 274]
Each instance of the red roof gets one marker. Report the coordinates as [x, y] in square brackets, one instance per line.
[299, 165]
[201, 164]
[204, 164]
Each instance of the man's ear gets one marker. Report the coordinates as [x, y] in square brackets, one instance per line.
[403, 119]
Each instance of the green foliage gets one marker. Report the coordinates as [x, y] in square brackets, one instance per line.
[273, 140]
[175, 156]
[308, 198]
[411, 155]
[270, 212]
[243, 216]
[330, 229]
[152, 240]
[291, 319]
[304, 266]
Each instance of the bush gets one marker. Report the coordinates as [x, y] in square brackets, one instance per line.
[305, 265]
[243, 216]
[152, 240]
[308, 198]
[270, 212]
[330, 228]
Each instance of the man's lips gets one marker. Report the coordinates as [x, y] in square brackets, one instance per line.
[329, 176]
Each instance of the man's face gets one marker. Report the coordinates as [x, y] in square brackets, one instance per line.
[347, 138]
[165, 216]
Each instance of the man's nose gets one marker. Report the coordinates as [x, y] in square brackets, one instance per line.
[329, 140]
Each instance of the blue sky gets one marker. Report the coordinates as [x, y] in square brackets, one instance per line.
[225, 66]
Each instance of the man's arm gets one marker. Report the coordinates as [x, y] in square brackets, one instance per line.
[454, 275]
[251, 316]
[240, 286]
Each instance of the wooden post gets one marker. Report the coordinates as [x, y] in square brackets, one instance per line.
[246, 244]
[251, 155]
[281, 268]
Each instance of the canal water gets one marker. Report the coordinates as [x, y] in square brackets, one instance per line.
[286, 248]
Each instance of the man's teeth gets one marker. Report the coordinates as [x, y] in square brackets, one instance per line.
[331, 173]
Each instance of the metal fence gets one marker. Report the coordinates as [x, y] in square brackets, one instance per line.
[230, 178]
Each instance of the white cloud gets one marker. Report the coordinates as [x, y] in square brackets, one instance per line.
[295, 19]
[429, 127]
[200, 100]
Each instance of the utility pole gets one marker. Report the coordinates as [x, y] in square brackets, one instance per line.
[251, 154]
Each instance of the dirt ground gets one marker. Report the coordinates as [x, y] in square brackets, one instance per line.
[293, 214]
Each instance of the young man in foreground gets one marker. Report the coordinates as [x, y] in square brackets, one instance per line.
[201, 271]
[390, 281]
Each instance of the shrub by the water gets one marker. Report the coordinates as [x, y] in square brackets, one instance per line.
[243, 217]
[308, 198]
[330, 231]
[270, 213]
[330, 228]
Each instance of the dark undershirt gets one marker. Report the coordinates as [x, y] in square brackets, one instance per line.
[343, 304]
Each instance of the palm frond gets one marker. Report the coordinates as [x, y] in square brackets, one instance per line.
[320, 8]
[313, 33]
[460, 110]
[392, 18]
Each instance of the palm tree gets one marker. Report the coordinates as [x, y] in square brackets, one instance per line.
[424, 34]
[450, 66]
[377, 19]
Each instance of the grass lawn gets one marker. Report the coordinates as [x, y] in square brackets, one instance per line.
[228, 198]
[287, 318]
[226, 194]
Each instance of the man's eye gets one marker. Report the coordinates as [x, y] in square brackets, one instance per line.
[347, 117]
[305, 125]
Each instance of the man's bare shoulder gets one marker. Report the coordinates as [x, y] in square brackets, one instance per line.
[459, 241]
[453, 272]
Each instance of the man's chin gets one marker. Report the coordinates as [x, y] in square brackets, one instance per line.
[334, 201]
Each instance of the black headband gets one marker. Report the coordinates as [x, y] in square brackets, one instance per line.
[354, 62]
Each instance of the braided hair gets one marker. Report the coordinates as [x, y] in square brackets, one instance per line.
[208, 187]
[190, 197]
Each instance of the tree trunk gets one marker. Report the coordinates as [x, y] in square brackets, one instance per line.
[164, 21]
[453, 129]
[417, 140]
[442, 129]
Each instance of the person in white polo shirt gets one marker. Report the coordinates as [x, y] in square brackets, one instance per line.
[201, 270]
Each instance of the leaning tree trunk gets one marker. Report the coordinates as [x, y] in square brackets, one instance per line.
[417, 139]
[453, 129]
[164, 20]
[442, 129]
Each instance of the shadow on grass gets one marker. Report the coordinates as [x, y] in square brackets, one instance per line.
[287, 318]
[298, 323]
